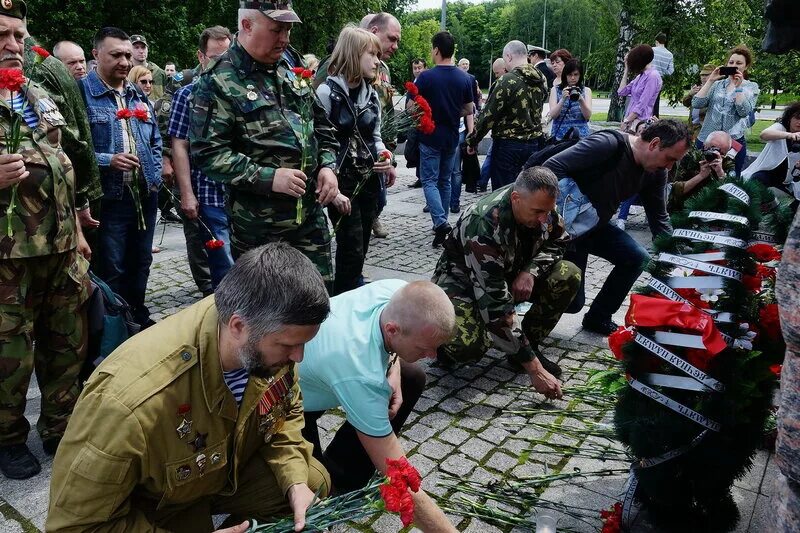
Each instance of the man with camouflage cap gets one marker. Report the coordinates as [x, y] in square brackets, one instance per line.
[43, 265]
[506, 249]
[250, 111]
[140, 51]
[513, 112]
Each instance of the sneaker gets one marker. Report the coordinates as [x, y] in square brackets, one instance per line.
[426, 209]
[441, 234]
[456, 209]
[50, 446]
[618, 222]
[17, 462]
[547, 364]
[416, 185]
[378, 230]
[603, 326]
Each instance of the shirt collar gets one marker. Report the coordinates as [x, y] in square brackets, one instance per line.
[245, 64]
[98, 87]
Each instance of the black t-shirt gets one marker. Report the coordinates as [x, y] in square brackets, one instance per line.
[446, 88]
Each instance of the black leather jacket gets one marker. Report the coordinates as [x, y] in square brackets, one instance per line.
[354, 127]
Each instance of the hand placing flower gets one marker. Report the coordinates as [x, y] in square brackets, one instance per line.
[402, 477]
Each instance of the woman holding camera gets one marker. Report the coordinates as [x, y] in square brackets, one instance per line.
[570, 102]
[779, 161]
[729, 99]
[643, 89]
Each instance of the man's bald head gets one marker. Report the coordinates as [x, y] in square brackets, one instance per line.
[417, 320]
[719, 140]
[499, 67]
[387, 28]
[72, 56]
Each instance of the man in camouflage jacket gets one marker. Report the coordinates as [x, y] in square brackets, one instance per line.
[43, 265]
[505, 249]
[513, 112]
[250, 112]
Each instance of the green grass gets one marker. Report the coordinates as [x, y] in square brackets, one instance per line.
[753, 142]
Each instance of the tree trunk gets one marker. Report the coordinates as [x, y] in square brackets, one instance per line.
[775, 87]
[617, 106]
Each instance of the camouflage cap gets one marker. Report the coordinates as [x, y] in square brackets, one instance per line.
[13, 8]
[280, 11]
[136, 39]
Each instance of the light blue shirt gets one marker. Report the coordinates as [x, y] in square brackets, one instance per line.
[345, 363]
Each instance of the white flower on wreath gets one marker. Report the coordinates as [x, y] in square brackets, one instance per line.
[710, 295]
[680, 272]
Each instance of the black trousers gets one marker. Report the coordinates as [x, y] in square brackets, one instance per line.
[345, 458]
[353, 231]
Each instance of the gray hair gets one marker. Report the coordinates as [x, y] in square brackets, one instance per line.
[721, 137]
[420, 304]
[535, 179]
[247, 14]
[271, 287]
[515, 49]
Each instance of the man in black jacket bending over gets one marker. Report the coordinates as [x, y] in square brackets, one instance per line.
[627, 165]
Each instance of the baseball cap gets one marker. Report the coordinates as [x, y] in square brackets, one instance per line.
[139, 39]
[280, 11]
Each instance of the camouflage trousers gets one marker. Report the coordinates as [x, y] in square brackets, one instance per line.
[312, 237]
[42, 327]
[550, 298]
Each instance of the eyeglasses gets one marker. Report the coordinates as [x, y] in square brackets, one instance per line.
[146, 82]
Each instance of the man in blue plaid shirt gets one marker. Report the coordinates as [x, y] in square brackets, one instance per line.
[201, 197]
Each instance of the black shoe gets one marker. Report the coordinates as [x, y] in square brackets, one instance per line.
[456, 209]
[50, 446]
[169, 216]
[17, 462]
[146, 323]
[426, 209]
[547, 364]
[603, 326]
[483, 188]
[441, 234]
[416, 185]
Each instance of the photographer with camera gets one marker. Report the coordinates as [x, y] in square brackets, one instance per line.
[643, 89]
[730, 98]
[695, 169]
[779, 161]
[570, 102]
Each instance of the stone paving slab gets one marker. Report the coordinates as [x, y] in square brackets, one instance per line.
[460, 427]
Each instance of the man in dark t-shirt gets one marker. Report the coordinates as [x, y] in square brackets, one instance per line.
[609, 168]
[449, 92]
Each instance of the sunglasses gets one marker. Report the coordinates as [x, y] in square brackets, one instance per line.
[146, 82]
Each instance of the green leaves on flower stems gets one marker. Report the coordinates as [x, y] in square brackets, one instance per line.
[326, 513]
[13, 139]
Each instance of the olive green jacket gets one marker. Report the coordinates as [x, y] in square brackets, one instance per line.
[123, 457]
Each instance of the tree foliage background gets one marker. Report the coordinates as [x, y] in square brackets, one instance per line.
[598, 31]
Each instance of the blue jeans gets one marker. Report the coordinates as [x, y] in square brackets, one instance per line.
[508, 157]
[484, 181]
[455, 177]
[126, 252]
[617, 247]
[436, 167]
[381, 196]
[219, 260]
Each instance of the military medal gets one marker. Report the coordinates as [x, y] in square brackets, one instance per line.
[216, 458]
[183, 472]
[274, 406]
[251, 94]
[185, 426]
[199, 442]
[7, 4]
[201, 463]
[165, 107]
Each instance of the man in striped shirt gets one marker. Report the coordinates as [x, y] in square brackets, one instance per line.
[662, 62]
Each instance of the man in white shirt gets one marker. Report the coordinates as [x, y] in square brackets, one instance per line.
[662, 62]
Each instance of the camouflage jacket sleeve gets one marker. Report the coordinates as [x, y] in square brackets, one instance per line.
[485, 261]
[211, 141]
[486, 119]
[288, 453]
[551, 251]
[76, 138]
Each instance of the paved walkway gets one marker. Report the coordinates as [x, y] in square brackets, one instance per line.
[460, 426]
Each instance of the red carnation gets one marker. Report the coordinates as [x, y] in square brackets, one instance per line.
[423, 105]
[766, 272]
[391, 498]
[776, 369]
[406, 509]
[699, 358]
[307, 74]
[41, 52]
[426, 125]
[214, 244]
[764, 252]
[140, 113]
[124, 114]
[612, 519]
[618, 339]
[769, 322]
[11, 79]
[411, 89]
[298, 70]
[752, 283]
[694, 298]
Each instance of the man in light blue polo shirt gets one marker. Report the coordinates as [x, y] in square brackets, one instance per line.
[362, 360]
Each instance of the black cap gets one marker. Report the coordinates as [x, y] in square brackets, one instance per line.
[13, 8]
[280, 11]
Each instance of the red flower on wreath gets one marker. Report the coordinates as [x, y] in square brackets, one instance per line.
[694, 297]
[769, 322]
[766, 272]
[396, 496]
[41, 52]
[411, 89]
[12, 79]
[620, 338]
[764, 252]
[752, 283]
[612, 519]
[776, 369]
